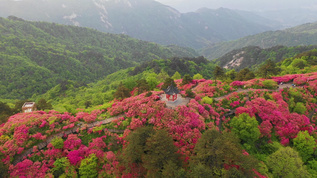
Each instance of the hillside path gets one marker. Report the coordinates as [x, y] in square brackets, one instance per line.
[240, 90]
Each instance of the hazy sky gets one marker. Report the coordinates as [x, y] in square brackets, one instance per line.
[250, 5]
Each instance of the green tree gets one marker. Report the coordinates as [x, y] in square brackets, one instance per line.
[176, 76]
[142, 86]
[162, 76]
[172, 169]
[218, 72]
[129, 83]
[231, 74]
[5, 112]
[153, 150]
[207, 100]
[152, 80]
[286, 162]
[159, 151]
[268, 68]
[299, 63]
[189, 93]
[246, 128]
[88, 166]
[305, 145]
[137, 141]
[198, 76]
[200, 170]
[244, 74]
[214, 149]
[187, 79]
[300, 108]
[122, 92]
[18, 106]
[87, 104]
[4, 168]
[60, 167]
[42, 104]
[168, 82]
[58, 142]
[269, 84]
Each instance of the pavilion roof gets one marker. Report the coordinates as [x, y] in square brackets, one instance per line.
[171, 90]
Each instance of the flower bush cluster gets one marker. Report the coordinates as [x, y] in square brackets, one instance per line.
[277, 113]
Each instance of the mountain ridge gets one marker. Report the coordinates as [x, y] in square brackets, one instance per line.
[36, 56]
[146, 20]
[300, 35]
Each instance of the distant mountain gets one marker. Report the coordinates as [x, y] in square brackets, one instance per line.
[253, 56]
[35, 56]
[291, 17]
[143, 19]
[300, 35]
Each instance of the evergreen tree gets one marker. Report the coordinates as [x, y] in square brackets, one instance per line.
[162, 76]
[176, 76]
[187, 79]
[245, 74]
[218, 72]
[42, 104]
[160, 151]
[231, 74]
[122, 92]
[168, 82]
[268, 68]
[153, 150]
[5, 112]
[214, 149]
[198, 76]
[142, 86]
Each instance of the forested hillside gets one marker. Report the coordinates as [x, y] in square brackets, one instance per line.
[35, 56]
[143, 19]
[300, 35]
[253, 56]
[68, 96]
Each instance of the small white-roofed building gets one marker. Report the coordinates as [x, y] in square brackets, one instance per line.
[29, 107]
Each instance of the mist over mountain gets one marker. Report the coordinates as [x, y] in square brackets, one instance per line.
[305, 34]
[143, 19]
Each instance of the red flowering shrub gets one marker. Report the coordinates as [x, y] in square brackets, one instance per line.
[72, 142]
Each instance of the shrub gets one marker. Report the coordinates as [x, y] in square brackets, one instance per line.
[148, 94]
[207, 100]
[58, 142]
[300, 108]
[88, 166]
[190, 94]
[269, 84]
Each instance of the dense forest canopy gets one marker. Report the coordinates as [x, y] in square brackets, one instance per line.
[39, 55]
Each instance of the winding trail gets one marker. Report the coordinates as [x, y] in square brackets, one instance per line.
[48, 140]
[240, 90]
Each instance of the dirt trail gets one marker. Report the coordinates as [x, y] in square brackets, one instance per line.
[240, 90]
